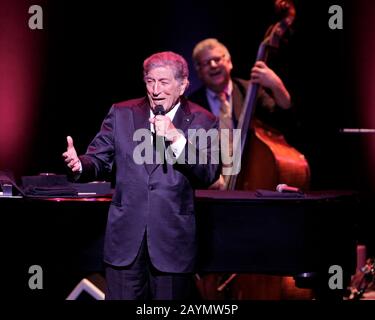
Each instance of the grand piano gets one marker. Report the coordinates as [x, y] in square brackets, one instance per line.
[239, 232]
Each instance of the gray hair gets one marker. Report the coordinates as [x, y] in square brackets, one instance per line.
[170, 59]
[209, 43]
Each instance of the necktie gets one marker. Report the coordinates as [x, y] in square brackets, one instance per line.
[226, 123]
[225, 116]
[158, 153]
[159, 147]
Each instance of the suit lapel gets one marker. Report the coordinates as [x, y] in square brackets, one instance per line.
[238, 100]
[141, 114]
[183, 117]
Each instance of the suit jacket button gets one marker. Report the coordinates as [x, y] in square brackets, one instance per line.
[150, 187]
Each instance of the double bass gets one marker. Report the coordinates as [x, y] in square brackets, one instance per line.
[266, 161]
[266, 158]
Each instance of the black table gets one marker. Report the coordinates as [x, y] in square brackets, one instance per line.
[238, 232]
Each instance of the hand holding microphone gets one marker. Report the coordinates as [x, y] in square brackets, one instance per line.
[163, 125]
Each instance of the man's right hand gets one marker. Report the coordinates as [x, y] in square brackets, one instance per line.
[70, 156]
[219, 184]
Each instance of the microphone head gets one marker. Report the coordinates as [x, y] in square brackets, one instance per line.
[159, 110]
[280, 187]
[285, 188]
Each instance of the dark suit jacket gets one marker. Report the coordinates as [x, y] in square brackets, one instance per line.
[280, 119]
[238, 96]
[148, 199]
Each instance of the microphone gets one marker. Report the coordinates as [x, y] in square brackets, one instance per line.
[282, 187]
[159, 110]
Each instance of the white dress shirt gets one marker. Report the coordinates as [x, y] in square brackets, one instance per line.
[179, 145]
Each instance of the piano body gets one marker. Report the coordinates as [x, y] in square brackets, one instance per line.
[238, 233]
[300, 237]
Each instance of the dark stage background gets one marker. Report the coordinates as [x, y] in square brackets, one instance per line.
[63, 79]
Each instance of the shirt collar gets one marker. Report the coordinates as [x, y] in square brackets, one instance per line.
[228, 90]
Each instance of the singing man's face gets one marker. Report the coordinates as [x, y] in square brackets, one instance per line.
[162, 87]
[214, 68]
